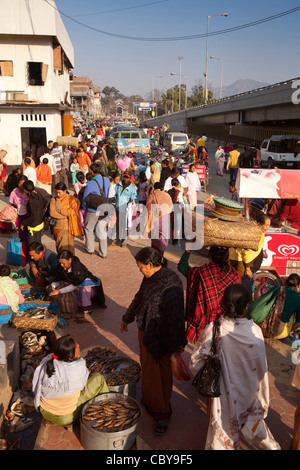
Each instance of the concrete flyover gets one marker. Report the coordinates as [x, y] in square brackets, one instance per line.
[244, 118]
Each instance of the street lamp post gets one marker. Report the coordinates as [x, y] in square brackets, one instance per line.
[206, 62]
[155, 76]
[222, 68]
[186, 86]
[180, 59]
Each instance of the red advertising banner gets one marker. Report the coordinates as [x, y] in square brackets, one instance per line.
[200, 170]
[282, 252]
[268, 183]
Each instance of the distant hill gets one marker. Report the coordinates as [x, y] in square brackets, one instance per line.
[240, 86]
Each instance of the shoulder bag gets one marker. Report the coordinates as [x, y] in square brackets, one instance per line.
[93, 201]
[207, 380]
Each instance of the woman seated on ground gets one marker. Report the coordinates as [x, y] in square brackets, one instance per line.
[72, 276]
[284, 317]
[61, 383]
[10, 294]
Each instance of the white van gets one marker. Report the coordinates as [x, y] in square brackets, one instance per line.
[281, 150]
[176, 141]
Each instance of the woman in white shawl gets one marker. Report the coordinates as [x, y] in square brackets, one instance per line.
[244, 400]
[194, 185]
[10, 295]
[61, 383]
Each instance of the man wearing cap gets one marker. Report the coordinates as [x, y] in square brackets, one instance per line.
[125, 194]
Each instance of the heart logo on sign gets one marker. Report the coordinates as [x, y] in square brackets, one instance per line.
[290, 250]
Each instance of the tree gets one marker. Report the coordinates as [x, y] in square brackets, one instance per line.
[171, 99]
[197, 96]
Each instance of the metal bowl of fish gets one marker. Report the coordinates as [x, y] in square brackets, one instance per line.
[109, 422]
[94, 354]
[121, 374]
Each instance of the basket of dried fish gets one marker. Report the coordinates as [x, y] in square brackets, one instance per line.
[109, 422]
[33, 295]
[36, 317]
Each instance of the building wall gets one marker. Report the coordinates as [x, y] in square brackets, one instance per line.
[23, 49]
[11, 123]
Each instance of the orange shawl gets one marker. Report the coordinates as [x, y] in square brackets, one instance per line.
[43, 173]
[72, 205]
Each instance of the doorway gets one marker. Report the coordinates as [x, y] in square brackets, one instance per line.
[32, 138]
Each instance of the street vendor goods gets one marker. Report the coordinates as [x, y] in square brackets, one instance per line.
[116, 370]
[112, 415]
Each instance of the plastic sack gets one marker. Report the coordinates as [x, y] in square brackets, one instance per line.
[16, 252]
[179, 368]
[258, 434]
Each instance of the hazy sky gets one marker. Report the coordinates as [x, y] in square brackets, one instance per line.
[268, 52]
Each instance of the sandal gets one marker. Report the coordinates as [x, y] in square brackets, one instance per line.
[161, 428]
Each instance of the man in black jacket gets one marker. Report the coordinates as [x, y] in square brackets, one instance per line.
[36, 208]
[165, 172]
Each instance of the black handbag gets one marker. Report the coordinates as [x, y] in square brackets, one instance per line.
[207, 380]
[93, 201]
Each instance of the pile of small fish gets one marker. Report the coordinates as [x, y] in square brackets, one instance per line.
[97, 353]
[41, 313]
[112, 415]
[33, 296]
[108, 367]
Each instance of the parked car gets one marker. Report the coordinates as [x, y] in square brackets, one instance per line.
[281, 150]
[176, 141]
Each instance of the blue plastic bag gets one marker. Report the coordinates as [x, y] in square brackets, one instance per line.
[16, 252]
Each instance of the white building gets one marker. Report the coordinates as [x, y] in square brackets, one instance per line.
[36, 56]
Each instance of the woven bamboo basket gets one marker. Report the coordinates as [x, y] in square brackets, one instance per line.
[34, 323]
[239, 234]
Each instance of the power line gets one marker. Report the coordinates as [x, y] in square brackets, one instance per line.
[121, 9]
[181, 38]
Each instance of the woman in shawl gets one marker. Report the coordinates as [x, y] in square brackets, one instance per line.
[158, 217]
[244, 386]
[71, 276]
[61, 383]
[10, 295]
[205, 288]
[65, 209]
[194, 185]
[154, 174]
[158, 308]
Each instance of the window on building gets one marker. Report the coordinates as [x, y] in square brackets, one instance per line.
[6, 68]
[37, 73]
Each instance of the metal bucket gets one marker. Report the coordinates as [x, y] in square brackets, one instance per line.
[91, 439]
[128, 389]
